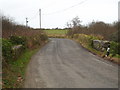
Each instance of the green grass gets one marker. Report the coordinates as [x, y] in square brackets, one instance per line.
[17, 69]
[117, 56]
[56, 32]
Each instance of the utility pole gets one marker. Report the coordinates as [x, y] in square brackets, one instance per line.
[26, 22]
[119, 11]
[40, 17]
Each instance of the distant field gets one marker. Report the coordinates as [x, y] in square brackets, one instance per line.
[56, 32]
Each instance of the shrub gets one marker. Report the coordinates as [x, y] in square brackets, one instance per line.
[7, 49]
[36, 40]
[86, 40]
[16, 40]
[76, 36]
[114, 37]
[43, 37]
[115, 48]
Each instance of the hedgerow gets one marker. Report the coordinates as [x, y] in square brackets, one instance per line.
[43, 37]
[115, 48]
[86, 40]
[16, 40]
[7, 49]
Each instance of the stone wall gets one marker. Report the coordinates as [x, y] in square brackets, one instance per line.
[17, 50]
[100, 45]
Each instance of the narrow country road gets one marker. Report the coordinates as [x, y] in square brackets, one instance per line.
[63, 63]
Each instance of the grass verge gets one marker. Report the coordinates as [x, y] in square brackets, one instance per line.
[115, 59]
[14, 74]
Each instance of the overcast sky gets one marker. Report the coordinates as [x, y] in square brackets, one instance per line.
[55, 13]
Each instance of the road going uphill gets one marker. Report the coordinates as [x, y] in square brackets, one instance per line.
[63, 63]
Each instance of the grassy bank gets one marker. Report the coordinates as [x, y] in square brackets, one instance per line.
[86, 42]
[14, 73]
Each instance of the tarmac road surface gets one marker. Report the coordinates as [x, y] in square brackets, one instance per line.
[63, 63]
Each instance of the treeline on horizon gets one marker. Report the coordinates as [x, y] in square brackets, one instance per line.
[108, 31]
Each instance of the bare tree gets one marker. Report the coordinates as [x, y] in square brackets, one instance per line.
[69, 25]
[75, 25]
[76, 22]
